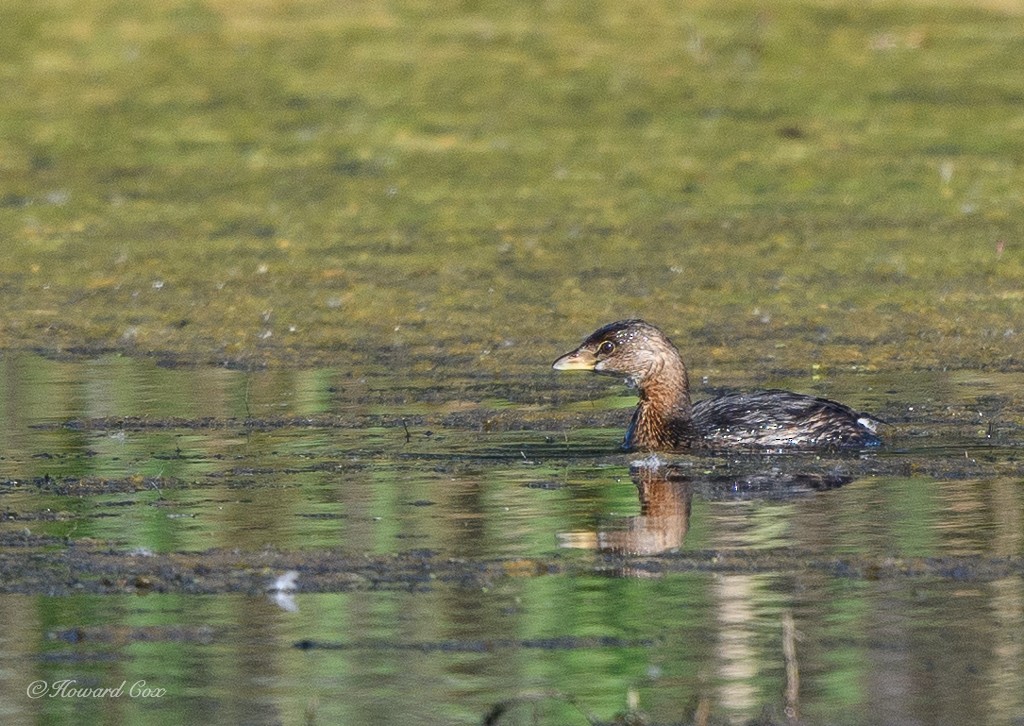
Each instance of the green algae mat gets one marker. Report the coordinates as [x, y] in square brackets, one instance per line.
[307, 182]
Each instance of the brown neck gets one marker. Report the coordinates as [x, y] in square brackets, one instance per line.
[664, 417]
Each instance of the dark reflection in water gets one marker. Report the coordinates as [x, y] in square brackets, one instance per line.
[460, 554]
[666, 494]
[661, 526]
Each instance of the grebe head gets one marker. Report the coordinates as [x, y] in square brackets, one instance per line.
[632, 348]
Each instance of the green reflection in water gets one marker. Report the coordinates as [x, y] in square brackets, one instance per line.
[450, 651]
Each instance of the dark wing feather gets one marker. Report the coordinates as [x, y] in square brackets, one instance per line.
[781, 419]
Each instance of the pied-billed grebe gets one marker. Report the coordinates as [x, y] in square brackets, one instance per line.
[666, 420]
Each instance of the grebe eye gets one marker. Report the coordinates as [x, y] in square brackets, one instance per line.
[606, 347]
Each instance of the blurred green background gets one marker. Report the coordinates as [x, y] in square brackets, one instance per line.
[305, 181]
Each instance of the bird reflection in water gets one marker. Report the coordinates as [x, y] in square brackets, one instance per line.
[666, 495]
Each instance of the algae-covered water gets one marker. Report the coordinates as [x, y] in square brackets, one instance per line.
[281, 286]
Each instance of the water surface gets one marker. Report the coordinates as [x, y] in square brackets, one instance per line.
[481, 565]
